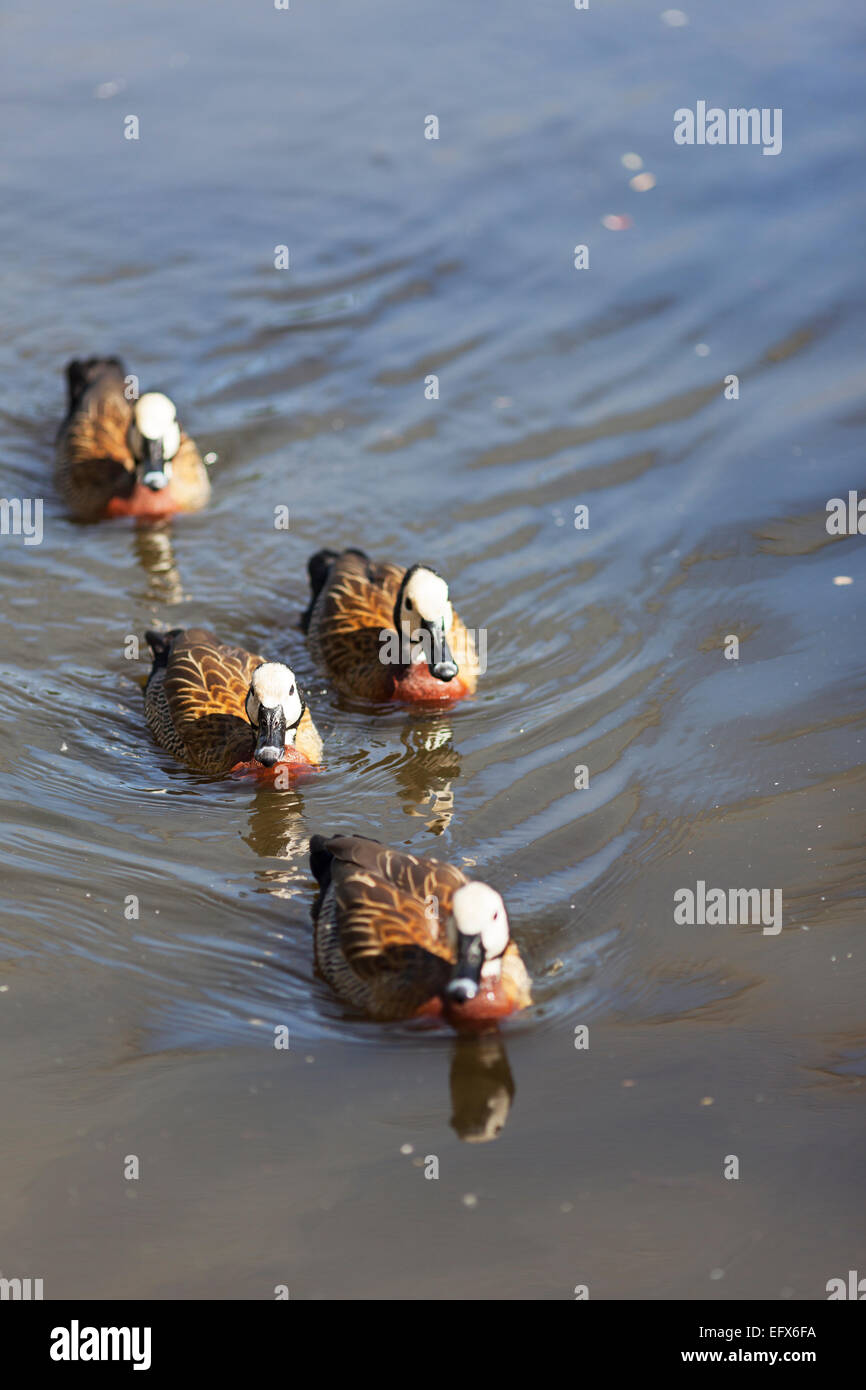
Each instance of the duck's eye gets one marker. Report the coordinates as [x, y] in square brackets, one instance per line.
[292, 690]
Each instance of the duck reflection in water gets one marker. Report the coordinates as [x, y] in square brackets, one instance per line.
[277, 830]
[154, 548]
[482, 1087]
[427, 770]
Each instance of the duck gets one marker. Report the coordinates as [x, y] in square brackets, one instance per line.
[121, 457]
[223, 709]
[398, 936]
[387, 633]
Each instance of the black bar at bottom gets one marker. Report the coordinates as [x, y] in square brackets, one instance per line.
[162, 1338]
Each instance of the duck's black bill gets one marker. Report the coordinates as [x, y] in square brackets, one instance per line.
[271, 741]
[442, 663]
[154, 473]
[465, 982]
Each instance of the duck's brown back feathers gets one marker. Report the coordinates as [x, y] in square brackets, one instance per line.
[94, 462]
[380, 941]
[355, 604]
[195, 696]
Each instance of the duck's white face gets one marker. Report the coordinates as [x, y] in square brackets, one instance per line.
[274, 686]
[479, 910]
[426, 616]
[425, 600]
[480, 935]
[274, 708]
[156, 420]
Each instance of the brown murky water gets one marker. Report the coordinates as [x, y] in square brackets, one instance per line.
[557, 388]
